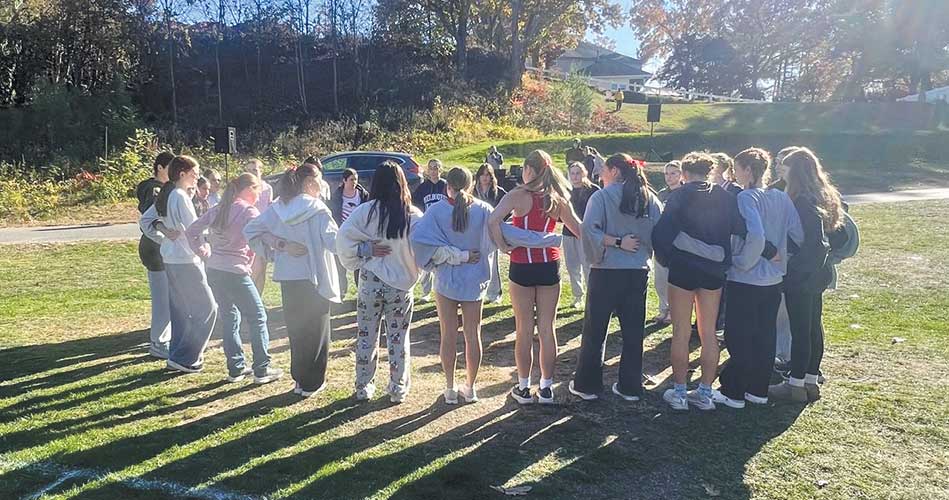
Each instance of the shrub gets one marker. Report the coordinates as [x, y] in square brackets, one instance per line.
[121, 173]
[24, 196]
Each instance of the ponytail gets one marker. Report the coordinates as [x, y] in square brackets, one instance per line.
[547, 181]
[636, 188]
[238, 184]
[291, 183]
[178, 166]
[459, 180]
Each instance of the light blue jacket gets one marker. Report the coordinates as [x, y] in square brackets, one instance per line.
[769, 216]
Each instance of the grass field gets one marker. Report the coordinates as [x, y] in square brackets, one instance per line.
[84, 413]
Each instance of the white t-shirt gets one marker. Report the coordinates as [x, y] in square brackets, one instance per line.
[350, 203]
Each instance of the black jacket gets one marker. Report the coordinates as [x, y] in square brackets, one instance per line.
[149, 252]
[429, 193]
[807, 267]
[336, 202]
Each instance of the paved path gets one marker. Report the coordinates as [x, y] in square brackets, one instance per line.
[124, 232]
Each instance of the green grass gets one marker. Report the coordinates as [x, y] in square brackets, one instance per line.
[78, 391]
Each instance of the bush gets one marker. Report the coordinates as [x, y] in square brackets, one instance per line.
[121, 173]
[24, 196]
[562, 108]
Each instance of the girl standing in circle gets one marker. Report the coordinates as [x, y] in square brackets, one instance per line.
[375, 241]
[707, 213]
[298, 229]
[617, 237]
[229, 262]
[193, 309]
[578, 267]
[673, 175]
[754, 283]
[488, 190]
[819, 206]
[537, 205]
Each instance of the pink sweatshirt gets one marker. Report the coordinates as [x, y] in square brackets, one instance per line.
[228, 250]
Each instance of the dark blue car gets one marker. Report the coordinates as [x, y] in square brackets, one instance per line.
[364, 163]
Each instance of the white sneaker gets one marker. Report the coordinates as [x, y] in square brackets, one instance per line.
[366, 393]
[718, 397]
[699, 401]
[307, 394]
[271, 375]
[676, 402]
[578, 305]
[496, 300]
[755, 400]
[397, 397]
[624, 396]
[424, 299]
[586, 396]
[296, 388]
[469, 394]
[240, 377]
[545, 396]
[451, 396]
[159, 351]
[522, 396]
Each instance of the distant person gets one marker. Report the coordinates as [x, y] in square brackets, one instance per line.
[432, 190]
[325, 192]
[193, 308]
[594, 163]
[299, 230]
[782, 355]
[707, 213]
[258, 270]
[349, 195]
[617, 238]
[576, 153]
[577, 264]
[214, 186]
[374, 241]
[537, 204]
[487, 189]
[819, 206]
[228, 258]
[673, 176]
[149, 252]
[494, 158]
[200, 199]
[619, 97]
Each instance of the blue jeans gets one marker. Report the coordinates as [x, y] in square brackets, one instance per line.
[237, 296]
[193, 313]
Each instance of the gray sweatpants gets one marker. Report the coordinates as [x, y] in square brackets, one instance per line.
[161, 310]
[661, 282]
[494, 286]
[577, 266]
[783, 347]
[193, 313]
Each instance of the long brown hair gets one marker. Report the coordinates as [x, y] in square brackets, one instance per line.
[759, 161]
[585, 178]
[636, 190]
[807, 178]
[547, 181]
[291, 183]
[459, 180]
[486, 168]
[235, 187]
[178, 166]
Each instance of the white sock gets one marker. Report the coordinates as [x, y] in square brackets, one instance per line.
[810, 379]
[546, 382]
[523, 383]
[796, 382]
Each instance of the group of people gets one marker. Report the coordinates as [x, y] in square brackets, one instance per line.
[718, 229]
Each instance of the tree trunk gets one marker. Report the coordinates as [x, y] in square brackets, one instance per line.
[517, 45]
[171, 74]
[461, 39]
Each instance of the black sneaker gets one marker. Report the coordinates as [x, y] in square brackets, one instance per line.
[522, 396]
[545, 396]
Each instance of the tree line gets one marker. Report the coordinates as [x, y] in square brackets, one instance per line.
[798, 50]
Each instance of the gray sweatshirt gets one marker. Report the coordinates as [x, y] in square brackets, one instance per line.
[769, 215]
[604, 217]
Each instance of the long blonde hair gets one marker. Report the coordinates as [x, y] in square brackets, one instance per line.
[807, 178]
[725, 164]
[585, 176]
[547, 181]
[234, 188]
[460, 180]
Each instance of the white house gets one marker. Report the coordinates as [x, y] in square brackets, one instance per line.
[940, 94]
[606, 69]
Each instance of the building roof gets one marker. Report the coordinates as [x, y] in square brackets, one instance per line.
[941, 93]
[593, 60]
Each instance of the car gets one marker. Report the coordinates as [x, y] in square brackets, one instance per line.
[364, 163]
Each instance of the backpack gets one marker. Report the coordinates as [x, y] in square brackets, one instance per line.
[845, 241]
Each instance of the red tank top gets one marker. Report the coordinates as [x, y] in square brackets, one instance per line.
[535, 220]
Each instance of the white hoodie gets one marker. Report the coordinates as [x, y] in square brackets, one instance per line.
[179, 216]
[398, 269]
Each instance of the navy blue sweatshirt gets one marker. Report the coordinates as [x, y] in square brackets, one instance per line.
[704, 212]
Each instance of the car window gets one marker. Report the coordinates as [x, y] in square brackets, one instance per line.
[363, 163]
[335, 164]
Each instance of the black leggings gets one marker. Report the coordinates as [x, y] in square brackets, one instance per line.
[621, 292]
[750, 331]
[307, 315]
[807, 332]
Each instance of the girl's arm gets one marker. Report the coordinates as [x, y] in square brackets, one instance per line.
[195, 232]
[504, 208]
[569, 217]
